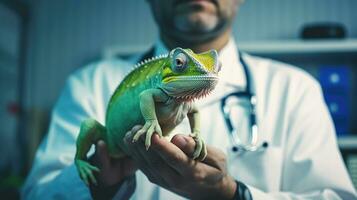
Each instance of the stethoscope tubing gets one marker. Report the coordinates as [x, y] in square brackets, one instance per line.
[238, 145]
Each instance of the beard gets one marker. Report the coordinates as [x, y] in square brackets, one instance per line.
[200, 23]
[196, 28]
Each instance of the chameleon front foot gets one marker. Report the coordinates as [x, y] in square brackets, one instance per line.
[200, 151]
[85, 171]
[150, 127]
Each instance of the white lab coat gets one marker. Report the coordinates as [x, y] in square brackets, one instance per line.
[301, 162]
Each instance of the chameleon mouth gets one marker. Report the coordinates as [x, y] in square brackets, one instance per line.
[188, 88]
[208, 78]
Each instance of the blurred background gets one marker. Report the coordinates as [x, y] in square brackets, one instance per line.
[42, 42]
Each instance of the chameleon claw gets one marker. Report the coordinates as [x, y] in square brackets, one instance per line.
[86, 171]
[149, 128]
[140, 132]
[154, 127]
[200, 151]
[137, 136]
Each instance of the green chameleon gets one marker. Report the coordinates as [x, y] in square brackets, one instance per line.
[158, 92]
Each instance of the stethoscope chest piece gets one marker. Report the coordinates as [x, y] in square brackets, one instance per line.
[239, 150]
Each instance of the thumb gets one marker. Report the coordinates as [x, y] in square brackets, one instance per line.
[185, 143]
[103, 155]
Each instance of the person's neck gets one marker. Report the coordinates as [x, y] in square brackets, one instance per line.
[216, 43]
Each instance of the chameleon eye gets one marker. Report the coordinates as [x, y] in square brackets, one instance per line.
[180, 62]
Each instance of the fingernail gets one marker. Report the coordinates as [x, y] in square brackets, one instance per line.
[181, 141]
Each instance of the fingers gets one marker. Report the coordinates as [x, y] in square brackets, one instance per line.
[215, 158]
[135, 154]
[176, 154]
[152, 164]
[162, 172]
[132, 147]
[103, 154]
[169, 164]
[172, 155]
[185, 143]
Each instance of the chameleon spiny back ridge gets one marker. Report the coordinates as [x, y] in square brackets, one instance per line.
[145, 73]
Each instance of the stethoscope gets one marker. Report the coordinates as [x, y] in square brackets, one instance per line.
[239, 146]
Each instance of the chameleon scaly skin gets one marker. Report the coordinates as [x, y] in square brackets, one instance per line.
[158, 93]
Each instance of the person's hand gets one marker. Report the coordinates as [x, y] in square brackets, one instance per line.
[169, 164]
[112, 172]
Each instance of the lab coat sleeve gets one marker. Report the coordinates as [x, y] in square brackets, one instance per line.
[54, 176]
[313, 167]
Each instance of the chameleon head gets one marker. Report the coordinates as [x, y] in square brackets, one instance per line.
[188, 76]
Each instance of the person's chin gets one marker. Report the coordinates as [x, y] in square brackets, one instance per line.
[195, 24]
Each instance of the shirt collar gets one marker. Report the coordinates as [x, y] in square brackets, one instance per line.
[232, 73]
